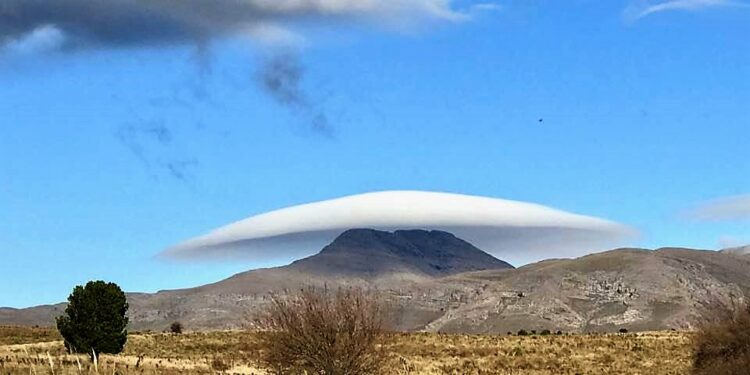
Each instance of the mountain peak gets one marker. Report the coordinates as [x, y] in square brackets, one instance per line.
[369, 253]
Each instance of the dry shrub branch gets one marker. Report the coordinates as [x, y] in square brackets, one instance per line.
[324, 332]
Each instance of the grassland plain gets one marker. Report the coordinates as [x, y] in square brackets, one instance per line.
[30, 351]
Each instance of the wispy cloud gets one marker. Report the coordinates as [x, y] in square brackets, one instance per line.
[642, 9]
[34, 26]
[42, 39]
[485, 7]
[70, 25]
[281, 77]
[151, 143]
[722, 209]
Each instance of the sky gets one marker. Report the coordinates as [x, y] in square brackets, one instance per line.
[119, 142]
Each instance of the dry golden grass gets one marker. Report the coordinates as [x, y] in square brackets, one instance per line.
[10, 335]
[409, 353]
[641, 353]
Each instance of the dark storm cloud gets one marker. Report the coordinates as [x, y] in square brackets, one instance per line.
[122, 23]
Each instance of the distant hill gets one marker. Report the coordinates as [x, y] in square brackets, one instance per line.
[38, 315]
[434, 281]
[739, 250]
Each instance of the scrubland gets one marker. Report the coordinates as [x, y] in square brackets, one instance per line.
[39, 351]
[10, 335]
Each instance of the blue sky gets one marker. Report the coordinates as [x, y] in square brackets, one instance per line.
[112, 154]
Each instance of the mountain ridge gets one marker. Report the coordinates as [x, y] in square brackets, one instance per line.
[633, 288]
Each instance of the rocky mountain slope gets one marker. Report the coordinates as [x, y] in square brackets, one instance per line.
[739, 250]
[632, 288]
[372, 254]
[434, 281]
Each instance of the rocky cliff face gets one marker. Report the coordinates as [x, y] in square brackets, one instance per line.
[440, 290]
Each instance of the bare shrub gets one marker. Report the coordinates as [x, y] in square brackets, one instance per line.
[722, 343]
[323, 332]
[176, 328]
[218, 364]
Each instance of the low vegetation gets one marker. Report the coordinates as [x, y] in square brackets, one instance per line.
[722, 344]
[341, 333]
[238, 352]
[14, 335]
[175, 328]
[317, 331]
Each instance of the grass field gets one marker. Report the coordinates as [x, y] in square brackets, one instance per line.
[10, 335]
[30, 351]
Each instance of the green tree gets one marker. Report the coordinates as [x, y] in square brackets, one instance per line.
[94, 321]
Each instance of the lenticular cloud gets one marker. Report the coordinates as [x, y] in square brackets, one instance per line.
[514, 231]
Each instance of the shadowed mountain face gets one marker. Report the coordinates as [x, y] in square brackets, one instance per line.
[368, 254]
[434, 281]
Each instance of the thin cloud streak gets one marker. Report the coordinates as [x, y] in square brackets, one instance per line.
[149, 142]
[723, 209]
[643, 9]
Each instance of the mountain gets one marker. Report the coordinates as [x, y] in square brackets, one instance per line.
[371, 254]
[39, 315]
[739, 250]
[358, 257]
[637, 289]
[434, 281]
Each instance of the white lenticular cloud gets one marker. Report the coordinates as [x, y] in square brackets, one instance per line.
[728, 208]
[514, 231]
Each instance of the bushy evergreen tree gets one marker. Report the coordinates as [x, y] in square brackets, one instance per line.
[94, 321]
